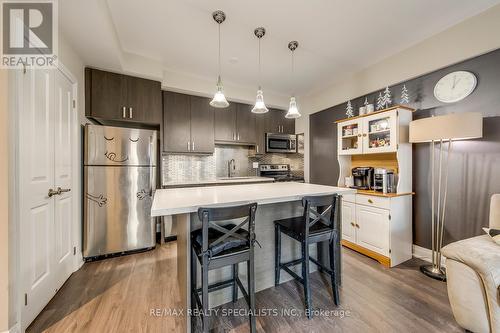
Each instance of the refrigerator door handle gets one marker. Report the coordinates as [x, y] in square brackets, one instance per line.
[151, 166]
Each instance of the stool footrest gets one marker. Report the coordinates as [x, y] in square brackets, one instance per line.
[217, 286]
[292, 273]
[323, 267]
[292, 263]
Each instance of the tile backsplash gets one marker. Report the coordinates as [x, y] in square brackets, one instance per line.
[178, 168]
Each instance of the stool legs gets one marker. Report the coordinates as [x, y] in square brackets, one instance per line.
[277, 254]
[194, 276]
[251, 293]
[235, 285]
[204, 284]
[334, 268]
[305, 277]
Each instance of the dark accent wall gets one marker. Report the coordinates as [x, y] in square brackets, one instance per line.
[474, 164]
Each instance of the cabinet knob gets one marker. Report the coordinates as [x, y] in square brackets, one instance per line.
[364, 134]
[359, 135]
[370, 201]
[357, 225]
[353, 224]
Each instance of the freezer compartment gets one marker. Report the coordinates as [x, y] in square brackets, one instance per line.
[117, 209]
[117, 146]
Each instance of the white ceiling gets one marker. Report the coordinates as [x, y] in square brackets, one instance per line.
[165, 38]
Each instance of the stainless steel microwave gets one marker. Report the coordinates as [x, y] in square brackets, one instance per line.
[281, 143]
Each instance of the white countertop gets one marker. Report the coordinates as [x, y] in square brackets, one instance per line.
[215, 181]
[188, 200]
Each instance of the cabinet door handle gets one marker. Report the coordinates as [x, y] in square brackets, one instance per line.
[124, 112]
[370, 201]
[257, 148]
[188, 143]
[238, 137]
[130, 112]
[353, 224]
[357, 225]
[192, 145]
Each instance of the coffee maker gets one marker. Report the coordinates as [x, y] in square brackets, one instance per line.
[362, 178]
[384, 180]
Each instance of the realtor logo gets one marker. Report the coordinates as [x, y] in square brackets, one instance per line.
[29, 36]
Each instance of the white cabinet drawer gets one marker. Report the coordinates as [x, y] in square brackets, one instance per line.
[349, 197]
[372, 200]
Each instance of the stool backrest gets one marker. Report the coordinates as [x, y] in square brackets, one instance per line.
[209, 216]
[321, 209]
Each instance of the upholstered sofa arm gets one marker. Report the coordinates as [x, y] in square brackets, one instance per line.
[483, 256]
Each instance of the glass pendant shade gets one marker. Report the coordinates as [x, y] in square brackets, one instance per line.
[219, 100]
[260, 106]
[293, 111]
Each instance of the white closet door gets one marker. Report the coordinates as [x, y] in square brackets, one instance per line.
[63, 202]
[36, 156]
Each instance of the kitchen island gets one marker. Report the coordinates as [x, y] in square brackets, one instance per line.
[275, 200]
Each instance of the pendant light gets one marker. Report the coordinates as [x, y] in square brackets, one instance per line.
[293, 111]
[260, 106]
[219, 100]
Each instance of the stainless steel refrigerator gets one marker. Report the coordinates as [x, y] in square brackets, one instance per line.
[119, 182]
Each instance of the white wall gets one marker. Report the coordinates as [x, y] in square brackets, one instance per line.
[473, 37]
[4, 203]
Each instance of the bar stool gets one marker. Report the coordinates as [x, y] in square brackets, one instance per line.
[319, 222]
[215, 246]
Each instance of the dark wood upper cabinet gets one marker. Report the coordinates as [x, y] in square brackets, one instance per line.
[261, 121]
[105, 95]
[176, 122]
[144, 100]
[288, 125]
[202, 125]
[245, 124]
[116, 97]
[235, 124]
[277, 123]
[188, 124]
[225, 123]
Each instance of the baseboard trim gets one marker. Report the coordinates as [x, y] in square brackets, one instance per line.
[425, 254]
[13, 329]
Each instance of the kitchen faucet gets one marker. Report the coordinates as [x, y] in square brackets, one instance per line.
[231, 164]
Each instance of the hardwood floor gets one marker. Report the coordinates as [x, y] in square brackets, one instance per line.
[119, 294]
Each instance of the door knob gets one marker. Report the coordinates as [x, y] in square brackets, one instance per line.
[52, 192]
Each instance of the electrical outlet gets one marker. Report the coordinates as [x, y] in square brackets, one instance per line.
[255, 165]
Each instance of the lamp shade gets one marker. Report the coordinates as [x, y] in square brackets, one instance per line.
[455, 126]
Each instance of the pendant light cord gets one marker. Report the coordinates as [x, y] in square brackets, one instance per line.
[219, 53]
[260, 87]
[293, 67]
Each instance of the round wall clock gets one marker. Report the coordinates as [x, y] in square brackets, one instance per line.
[455, 86]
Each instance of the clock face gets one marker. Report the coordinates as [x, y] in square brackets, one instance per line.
[455, 86]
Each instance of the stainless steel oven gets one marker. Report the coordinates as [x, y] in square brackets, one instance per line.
[281, 143]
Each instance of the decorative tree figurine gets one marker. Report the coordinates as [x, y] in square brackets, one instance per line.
[387, 100]
[349, 110]
[380, 102]
[366, 101]
[405, 98]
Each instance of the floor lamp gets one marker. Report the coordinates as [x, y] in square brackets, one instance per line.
[441, 130]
